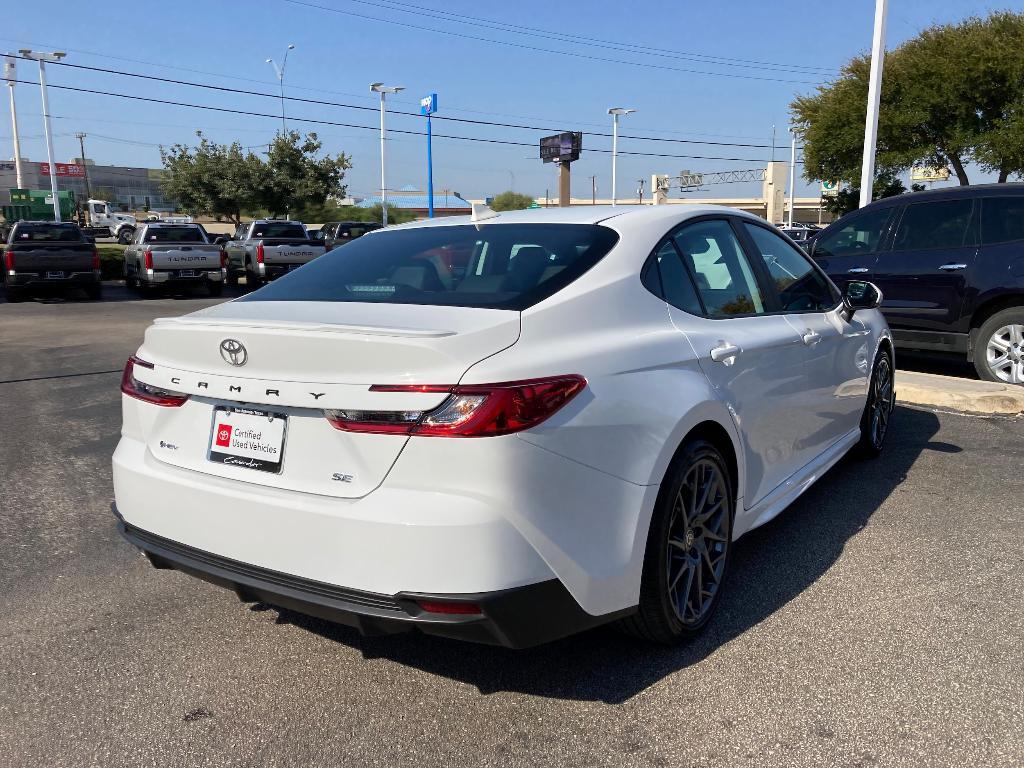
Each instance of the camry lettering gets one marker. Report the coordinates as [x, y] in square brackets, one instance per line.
[202, 385]
[175, 380]
[233, 388]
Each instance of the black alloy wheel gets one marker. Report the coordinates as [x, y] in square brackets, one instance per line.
[881, 401]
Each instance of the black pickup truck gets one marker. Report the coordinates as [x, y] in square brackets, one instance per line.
[44, 255]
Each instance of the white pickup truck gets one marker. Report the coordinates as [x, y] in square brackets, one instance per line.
[265, 249]
[173, 254]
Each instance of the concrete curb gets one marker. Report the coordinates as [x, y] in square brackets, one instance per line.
[958, 394]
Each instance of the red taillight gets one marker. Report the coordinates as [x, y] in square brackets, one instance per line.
[9, 260]
[148, 256]
[474, 410]
[96, 258]
[146, 392]
[454, 609]
[223, 259]
[259, 253]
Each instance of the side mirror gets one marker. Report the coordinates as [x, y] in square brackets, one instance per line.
[861, 294]
[220, 240]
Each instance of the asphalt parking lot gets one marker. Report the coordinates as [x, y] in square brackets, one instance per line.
[879, 621]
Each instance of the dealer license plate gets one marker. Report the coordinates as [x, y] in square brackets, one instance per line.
[242, 437]
[54, 275]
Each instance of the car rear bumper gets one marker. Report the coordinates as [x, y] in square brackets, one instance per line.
[175, 276]
[519, 617]
[36, 279]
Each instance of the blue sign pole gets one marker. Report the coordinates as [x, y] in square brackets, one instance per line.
[428, 106]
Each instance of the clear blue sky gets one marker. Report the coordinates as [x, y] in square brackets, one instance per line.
[337, 55]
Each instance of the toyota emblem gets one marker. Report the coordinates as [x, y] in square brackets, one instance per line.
[233, 352]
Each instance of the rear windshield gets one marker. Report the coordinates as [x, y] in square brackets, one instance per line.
[175, 235]
[273, 229]
[25, 233]
[499, 266]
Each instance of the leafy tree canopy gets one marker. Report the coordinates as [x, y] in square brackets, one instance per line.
[950, 96]
[511, 201]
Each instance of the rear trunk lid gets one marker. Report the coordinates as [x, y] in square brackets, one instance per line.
[290, 251]
[297, 359]
[185, 256]
[56, 257]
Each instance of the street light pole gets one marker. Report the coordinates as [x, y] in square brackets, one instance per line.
[792, 175]
[615, 112]
[280, 82]
[42, 58]
[383, 90]
[11, 76]
[867, 173]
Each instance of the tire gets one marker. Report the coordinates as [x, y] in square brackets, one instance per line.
[130, 282]
[94, 292]
[252, 280]
[999, 347]
[874, 422]
[676, 548]
[214, 288]
[124, 237]
[232, 277]
[14, 295]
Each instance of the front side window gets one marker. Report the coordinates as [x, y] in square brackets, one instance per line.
[1002, 219]
[860, 234]
[499, 266]
[942, 224]
[799, 286]
[724, 277]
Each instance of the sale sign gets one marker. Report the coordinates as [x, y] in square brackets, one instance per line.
[63, 169]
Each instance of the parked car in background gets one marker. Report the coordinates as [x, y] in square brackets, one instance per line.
[338, 233]
[265, 249]
[950, 265]
[45, 255]
[502, 429]
[173, 255]
[802, 234]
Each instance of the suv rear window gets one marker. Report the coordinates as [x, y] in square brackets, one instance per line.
[271, 229]
[174, 235]
[24, 233]
[499, 266]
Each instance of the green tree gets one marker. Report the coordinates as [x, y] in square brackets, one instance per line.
[847, 199]
[297, 178]
[217, 179]
[950, 96]
[511, 201]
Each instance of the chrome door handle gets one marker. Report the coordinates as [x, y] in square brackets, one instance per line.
[952, 267]
[811, 337]
[725, 353]
[858, 270]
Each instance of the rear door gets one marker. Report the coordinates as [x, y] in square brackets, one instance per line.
[753, 358]
[848, 249]
[925, 274]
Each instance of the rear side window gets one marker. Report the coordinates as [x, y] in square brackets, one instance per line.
[499, 266]
[675, 285]
[174, 235]
[725, 279]
[26, 233]
[799, 286]
[942, 224]
[1002, 219]
[274, 229]
[859, 234]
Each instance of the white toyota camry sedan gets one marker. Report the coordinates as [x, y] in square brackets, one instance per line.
[503, 428]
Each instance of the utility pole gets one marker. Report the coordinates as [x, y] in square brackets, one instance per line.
[593, 190]
[11, 76]
[792, 174]
[42, 58]
[615, 112]
[867, 172]
[85, 166]
[640, 190]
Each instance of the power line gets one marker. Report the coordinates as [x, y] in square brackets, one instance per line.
[313, 121]
[468, 121]
[525, 46]
[460, 18]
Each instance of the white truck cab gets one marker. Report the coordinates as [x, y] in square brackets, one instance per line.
[121, 225]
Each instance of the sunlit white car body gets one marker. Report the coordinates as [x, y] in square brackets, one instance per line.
[566, 502]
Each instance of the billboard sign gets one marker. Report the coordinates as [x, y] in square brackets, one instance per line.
[562, 147]
[63, 169]
[428, 104]
[929, 174]
[829, 188]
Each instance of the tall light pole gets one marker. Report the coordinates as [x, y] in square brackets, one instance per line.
[280, 81]
[11, 76]
[383, 90]
[792, 174]
[428, 106]
[867, 172]
[615, 112]
[42, 58]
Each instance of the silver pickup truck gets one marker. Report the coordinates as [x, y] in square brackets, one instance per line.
[173, 254]
[43, 254]
[266, 249]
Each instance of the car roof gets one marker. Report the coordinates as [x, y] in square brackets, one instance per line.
[951, 193]
[587, 214]
[171, 223]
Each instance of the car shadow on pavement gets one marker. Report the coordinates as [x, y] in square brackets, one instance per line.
[771, 566]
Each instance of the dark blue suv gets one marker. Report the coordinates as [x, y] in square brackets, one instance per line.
[950, 264]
